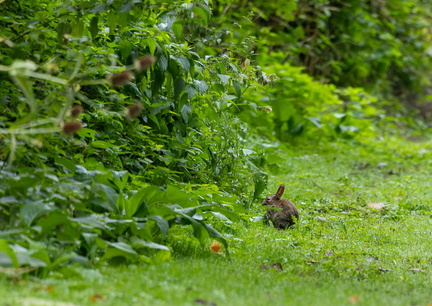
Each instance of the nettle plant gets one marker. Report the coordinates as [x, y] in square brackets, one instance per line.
[115, 126]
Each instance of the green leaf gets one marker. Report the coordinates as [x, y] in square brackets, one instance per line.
[182, 61]
[87, 133]
[137, 243]
[125, 8]
[25, 259]
[179, 86]
[163, 62]
[30, 211]
[185, 111]
[237, 88]
[9, 233]
[99, 8]
[105, 196]
[161, 223]
[161, 257]
[6, 249]
[177, 29]
[94, 29]
[122, 204]
[68, 164]
[62, 29]
[125, 48]
[224, 78]
[204, 14]
[51, 221]
[191, 91]
[93, 220]
[127, 248]
[43, 256]
[77, 26]
[120, 249]
[100, 144]
[150, 43]
[132, 205]
[201, 86]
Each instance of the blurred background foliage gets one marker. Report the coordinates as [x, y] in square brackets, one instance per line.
[183, 106]
[382, 47]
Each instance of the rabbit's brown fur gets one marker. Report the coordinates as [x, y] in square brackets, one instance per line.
[283, 217]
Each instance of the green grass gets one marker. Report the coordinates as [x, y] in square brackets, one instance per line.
[341, 253]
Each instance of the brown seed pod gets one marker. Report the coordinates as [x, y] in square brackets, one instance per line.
[76, 110]
[145, 62]
[121, 78]
[71, 127]
[133, 111]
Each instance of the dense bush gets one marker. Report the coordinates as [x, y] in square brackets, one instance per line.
[381, 45]
[114, 128]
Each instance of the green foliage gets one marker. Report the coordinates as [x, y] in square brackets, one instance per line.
[382, 46]
[158, 145]
[341, 251]
[295, 106]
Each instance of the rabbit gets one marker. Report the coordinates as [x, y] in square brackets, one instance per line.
[282, 218]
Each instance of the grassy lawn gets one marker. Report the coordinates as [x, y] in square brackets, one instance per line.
[341, 253]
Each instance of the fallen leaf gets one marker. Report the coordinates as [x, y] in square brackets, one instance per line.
[354, 299]
[95, 297]
[49, 288]
[376, 205]
[311, 262]
[215, 247]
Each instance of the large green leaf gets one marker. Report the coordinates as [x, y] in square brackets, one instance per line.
[30, 211]
[8, 255]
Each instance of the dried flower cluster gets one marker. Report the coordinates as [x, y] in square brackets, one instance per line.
[71, 127]
[145, 62]
[135, 110]
[76, 110]
[141, 64]
[121, 78]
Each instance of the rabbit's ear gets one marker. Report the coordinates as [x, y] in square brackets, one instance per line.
[280, 191]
